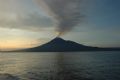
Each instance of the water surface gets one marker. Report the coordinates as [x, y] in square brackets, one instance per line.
[61, 66]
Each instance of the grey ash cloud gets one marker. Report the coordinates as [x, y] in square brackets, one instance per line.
[66, 12]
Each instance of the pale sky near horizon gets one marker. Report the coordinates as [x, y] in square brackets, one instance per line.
[23, 24]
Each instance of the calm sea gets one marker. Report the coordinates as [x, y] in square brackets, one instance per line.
[60, 66]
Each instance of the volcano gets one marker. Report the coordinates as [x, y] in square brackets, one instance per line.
[61, 45]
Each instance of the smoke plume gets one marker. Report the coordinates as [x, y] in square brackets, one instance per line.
[66, 12]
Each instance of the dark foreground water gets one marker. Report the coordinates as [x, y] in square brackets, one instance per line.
[60, 66]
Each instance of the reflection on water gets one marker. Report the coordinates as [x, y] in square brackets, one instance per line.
[60, 66]
[36, 66]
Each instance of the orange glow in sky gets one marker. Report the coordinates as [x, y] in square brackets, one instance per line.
[12, 39]
[16, 44]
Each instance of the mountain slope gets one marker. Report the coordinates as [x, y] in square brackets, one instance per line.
[61, 45]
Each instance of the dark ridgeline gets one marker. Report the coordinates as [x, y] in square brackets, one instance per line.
[61, 45]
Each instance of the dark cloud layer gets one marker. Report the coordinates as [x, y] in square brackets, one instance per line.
[31, 21]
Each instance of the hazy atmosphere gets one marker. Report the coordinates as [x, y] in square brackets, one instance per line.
[59, 39]
[25, 23]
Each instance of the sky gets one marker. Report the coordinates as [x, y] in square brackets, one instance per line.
[24, 24]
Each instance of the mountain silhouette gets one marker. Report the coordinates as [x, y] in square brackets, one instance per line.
[61, 45]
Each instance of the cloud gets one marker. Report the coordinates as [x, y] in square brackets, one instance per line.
[66, 12]
[16, 14]
[25, 21]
